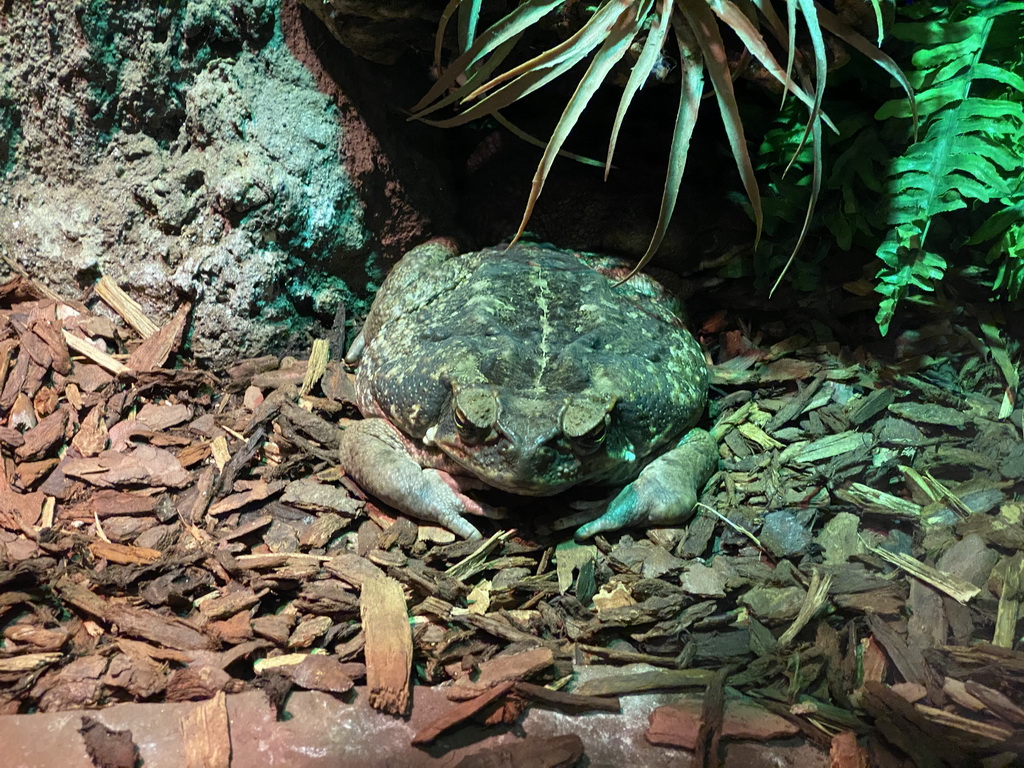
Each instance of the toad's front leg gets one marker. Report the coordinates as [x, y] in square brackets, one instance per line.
[388, 465]
[665, 492]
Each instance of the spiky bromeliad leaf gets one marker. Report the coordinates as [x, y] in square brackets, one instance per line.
[690, 85]
[970, 153]
[610, 31]
[615, 44]
[492, 42]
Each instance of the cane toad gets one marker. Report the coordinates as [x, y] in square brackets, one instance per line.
[531, 370]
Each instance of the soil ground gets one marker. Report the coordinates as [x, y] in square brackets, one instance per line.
[168, 535]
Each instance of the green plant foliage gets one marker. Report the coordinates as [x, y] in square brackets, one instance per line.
[643, 32]
[968, 161]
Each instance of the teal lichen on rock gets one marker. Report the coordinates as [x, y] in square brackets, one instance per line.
[190, 156]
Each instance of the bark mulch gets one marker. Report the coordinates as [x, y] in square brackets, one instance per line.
[852, 576]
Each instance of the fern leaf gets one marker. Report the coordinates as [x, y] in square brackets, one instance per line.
[970, 152]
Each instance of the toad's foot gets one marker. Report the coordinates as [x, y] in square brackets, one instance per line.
[665, 492]
[382, 461]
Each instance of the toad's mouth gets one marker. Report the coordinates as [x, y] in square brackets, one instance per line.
[520, 484]
[543, 471]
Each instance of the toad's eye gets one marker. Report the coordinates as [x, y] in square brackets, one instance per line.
[475, 412]
[585, 422]
[593, 438]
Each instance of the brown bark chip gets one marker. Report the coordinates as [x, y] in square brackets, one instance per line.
[388, 644]
[154, 351]
[206, 736]
[464, 711]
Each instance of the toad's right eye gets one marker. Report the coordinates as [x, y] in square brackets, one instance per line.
[475, 413]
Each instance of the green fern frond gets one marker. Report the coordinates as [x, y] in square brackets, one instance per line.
[970, 153]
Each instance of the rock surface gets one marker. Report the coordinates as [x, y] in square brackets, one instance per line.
[191, 156]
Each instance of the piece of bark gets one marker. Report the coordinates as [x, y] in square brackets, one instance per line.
[110, 503]
[89, 377]
[145, 465]
[27, 662]
[514, 667]
[337, 383]
[139, 675]
[33, 345]
[7, 347]
[76, 685]
[46, 400]
[571, 702]
[44, 437]
[93, 435]
[234, 599]
[712, 715]
[276, 627]
[28, 473]
[45, 327]
[637, 682]
[40, 638]
[353, 569]
[501, 628]
[172, 632]
[463, 711]
[124, 554]
[263, 490]
[11, 438]
[901, 723]
[322, 673]
[169, 631]
[846, 753]
[154, 351]
[22, 414]
[198, 681]
[997, 702]
[910, 665]
[311, 629]
[388, 649]
[206, 739]
[20, 511]
[243, 371]
[322, 530]
[677, 725]
[160, 416]
[231, 631]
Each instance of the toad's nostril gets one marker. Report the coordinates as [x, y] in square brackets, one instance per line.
[544, 458]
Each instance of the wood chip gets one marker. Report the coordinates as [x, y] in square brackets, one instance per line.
[94, 353]
[124, 554]
[515, 667]
[958, 589]
[206, 740]
[129, 309]
[388, 651]
[154, 351]
[677, 725]
[637, 682]
[462, 712]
